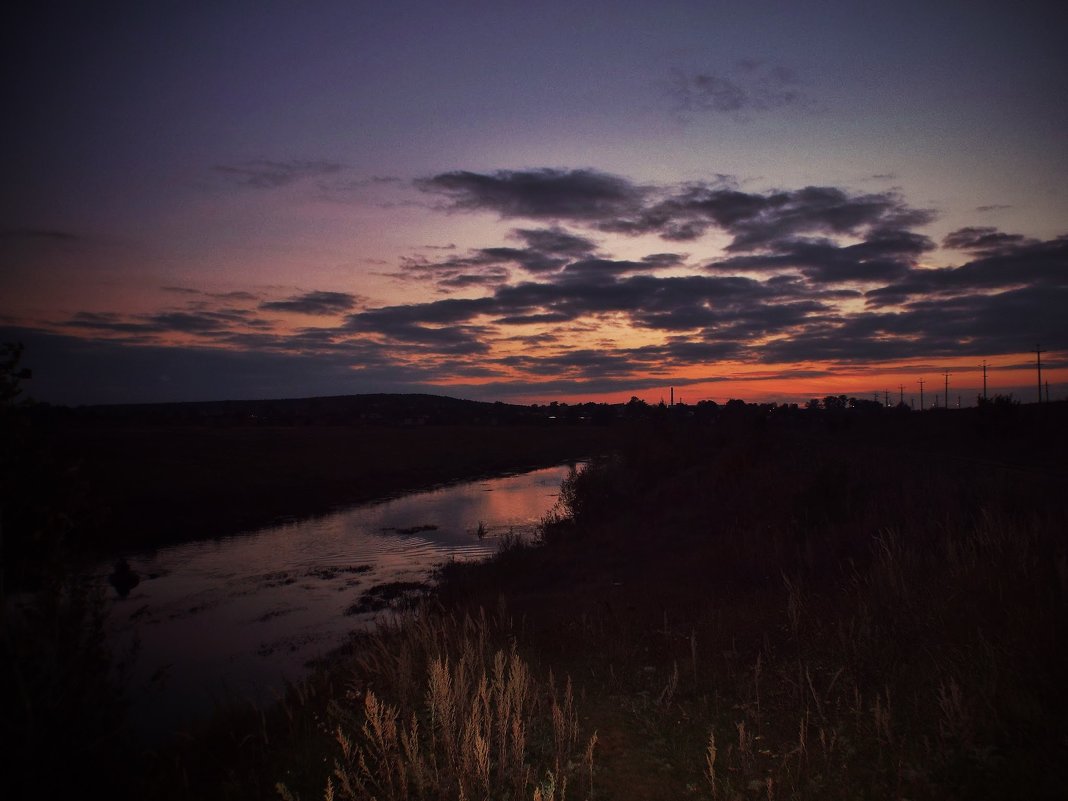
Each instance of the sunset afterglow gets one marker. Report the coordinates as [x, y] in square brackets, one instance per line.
[537, 204]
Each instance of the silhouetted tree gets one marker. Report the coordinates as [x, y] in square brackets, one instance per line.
[63, 715]
[833, 403]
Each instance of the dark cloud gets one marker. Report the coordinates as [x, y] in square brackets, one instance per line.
[580, 362]
[787, 290]
[210, 317]
[753, 86]
[486, 266]
[314, 303]
[548, 250]
[983, 240]
[884, 256]
[606, 268]
[491, 277]
[1019, 264]
[106, 322]
[664, 259]
[266, 174]
[758, 220]
[791, 317]
[529, 259]
[533, 319]
[613, 204]
[687, 351]
[975, 324]
[595, 289]
[443, 326]
[438, 312]
[539, 194]
[556, 241]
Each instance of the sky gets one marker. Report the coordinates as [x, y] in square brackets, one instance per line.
[531, 202]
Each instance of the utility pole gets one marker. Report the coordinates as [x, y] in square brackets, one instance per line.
[983, 365]
[947, 374]
[900, 394]
[886, 398]
[921, 393]
[1038, 354]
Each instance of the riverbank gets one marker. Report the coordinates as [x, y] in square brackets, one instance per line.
[155, 485]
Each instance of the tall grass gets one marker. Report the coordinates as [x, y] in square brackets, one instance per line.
[856, 622]
[443, 706]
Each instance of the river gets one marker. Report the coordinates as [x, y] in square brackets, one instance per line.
[240, 616]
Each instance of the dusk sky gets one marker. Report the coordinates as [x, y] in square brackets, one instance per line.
[535, 201]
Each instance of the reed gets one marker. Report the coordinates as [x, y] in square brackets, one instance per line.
[478, 724]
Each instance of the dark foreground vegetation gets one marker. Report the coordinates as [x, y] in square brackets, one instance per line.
[810, 605]
[744, 611]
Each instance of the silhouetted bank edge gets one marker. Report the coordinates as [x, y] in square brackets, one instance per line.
[152, 486]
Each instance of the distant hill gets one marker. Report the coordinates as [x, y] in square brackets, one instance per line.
[379, 409]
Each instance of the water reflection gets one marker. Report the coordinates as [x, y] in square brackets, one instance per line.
[236, 616]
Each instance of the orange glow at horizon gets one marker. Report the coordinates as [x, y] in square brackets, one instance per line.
[766, 384]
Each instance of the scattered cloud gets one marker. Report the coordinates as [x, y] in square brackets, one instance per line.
[809, 275]
[613, 204]
[267, 174]
[751, 86]
[884, 256]
[552, 194]
[314, 303]
[757, 220]
[983, 240]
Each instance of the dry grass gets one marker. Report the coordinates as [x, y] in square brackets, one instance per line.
[437, 707]
[848, 631]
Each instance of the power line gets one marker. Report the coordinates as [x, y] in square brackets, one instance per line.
[1038, 355]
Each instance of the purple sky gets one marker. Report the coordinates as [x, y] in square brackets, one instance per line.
[533, 201]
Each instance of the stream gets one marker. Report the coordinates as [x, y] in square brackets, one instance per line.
[240, 616]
